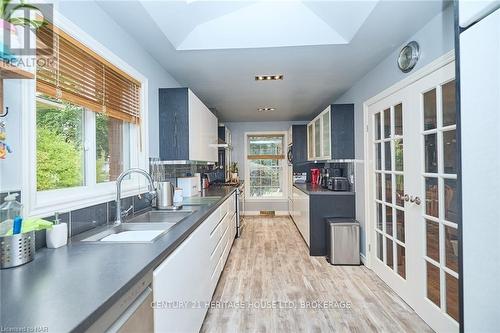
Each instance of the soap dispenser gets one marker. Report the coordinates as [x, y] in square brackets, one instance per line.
[58, 235]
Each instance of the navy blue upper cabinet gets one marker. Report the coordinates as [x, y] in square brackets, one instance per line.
[188, 129]
[297, 133]
[330, 136]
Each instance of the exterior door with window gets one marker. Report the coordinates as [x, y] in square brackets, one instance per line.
[265, 174]
[414, 243]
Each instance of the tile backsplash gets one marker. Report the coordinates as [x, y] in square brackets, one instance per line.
[84, 219]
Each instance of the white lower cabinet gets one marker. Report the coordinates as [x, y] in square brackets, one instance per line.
[300, 213]
[184, 283]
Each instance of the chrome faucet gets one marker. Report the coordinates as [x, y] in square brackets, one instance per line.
[124, 174]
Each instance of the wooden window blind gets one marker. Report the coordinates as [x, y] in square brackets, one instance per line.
[265, 147]
[75, 73]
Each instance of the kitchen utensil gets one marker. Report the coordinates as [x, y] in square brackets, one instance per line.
[17, 250]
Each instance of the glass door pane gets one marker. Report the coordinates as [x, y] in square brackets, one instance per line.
[317, 138]
[310, 141]
[326, 135]
[389, 174]
[440, 197]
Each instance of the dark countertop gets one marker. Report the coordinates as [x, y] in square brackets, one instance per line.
[310, 189]
[67, 289]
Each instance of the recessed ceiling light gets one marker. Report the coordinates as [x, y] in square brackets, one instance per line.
[265, 109]
[268, 77]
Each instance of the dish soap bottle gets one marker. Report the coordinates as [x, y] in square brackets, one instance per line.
[58, 235]
[9, 210]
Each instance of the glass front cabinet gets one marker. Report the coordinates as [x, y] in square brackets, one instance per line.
[330, 135]
[318, 130]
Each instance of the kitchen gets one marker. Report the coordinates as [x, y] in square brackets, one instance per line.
[161, 172]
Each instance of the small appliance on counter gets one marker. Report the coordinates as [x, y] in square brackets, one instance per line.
[338, 184]
[325, 175]
[315, 176]
[299, 177]
[165, 192]
[190, 186]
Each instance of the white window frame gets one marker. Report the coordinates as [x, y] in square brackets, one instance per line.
[283, 162]
[45, 203]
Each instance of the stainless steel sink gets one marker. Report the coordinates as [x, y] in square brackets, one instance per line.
[98, 234]
[161, 216]
[154, 220]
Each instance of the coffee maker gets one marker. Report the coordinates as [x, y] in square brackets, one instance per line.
[325, 174]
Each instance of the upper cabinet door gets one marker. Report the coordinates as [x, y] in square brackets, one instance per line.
[331, 134]
[342, 131]
[203, 131]
[310, 141]
[317, 138]
[326, 135]
[188, 129]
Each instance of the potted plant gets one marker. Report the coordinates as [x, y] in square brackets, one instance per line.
[10, 22]
[233, 169]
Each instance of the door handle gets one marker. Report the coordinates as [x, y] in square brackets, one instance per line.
[416, 200]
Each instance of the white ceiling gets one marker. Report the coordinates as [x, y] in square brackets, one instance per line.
[322, 48]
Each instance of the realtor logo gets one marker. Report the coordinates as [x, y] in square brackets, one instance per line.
[20, 23]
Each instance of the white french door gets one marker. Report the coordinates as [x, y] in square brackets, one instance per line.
[413, 196]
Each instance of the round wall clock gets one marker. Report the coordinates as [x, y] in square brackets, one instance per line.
[408, 56]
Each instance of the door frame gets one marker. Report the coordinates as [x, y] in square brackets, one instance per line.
[368, 165]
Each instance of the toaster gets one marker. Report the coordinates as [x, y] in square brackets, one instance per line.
[338, 184]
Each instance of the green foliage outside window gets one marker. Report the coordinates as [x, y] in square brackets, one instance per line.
[60, 162]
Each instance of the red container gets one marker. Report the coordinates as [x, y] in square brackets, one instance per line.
[315, 176]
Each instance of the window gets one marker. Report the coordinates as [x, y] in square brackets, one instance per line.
[62, 134]
[79, 93]
[60, 139]
[86, 122]
[112, 147]
[265, 166]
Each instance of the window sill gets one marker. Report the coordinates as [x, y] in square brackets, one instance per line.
[48, 202]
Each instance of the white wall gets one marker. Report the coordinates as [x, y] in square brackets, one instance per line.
[95, 22]
[10, 174]
[435, 38]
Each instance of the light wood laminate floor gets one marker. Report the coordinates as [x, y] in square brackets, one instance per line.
[270, 263]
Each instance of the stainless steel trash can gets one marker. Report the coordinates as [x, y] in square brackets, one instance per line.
[342, 241]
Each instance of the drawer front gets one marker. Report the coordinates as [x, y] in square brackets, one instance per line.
[213, 220]
[217, 242]
[217, 258]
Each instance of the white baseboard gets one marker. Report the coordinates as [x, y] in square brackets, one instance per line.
[363, 258]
